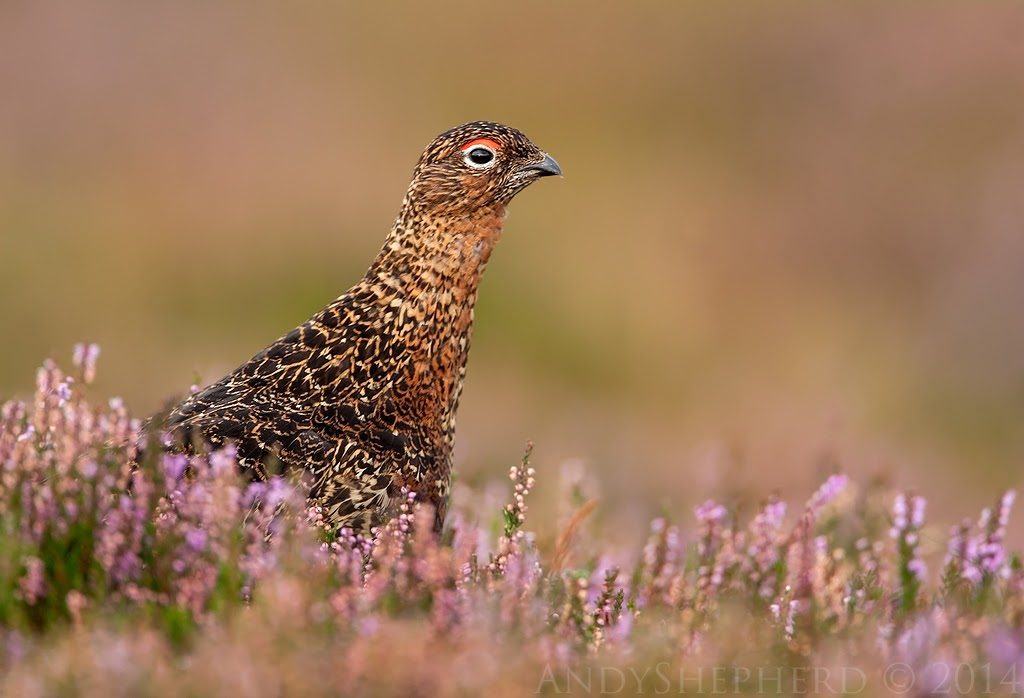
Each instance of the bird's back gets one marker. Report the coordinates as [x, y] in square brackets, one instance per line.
[322, 399]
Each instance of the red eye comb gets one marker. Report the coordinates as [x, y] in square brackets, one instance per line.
[482, 141]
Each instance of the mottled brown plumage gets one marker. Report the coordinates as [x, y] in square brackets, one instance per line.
[363, 396]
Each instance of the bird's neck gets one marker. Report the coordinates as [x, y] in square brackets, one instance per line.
[427, 254]
[424, 283]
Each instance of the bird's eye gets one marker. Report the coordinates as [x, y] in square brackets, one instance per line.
[479, 156]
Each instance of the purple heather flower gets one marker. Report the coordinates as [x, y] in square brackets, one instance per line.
[196, 539]
[255, 491]
[64, 391]
[88, 468]
[174, 465]
[774, 513]
[918, 568]
[278, 491]
[790, 616]
[985, 554]
[991, 557]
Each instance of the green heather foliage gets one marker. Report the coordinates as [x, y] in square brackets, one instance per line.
[180, 578]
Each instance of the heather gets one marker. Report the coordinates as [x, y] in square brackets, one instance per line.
[177, 577]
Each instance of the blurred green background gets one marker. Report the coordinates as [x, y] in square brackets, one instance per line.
[788, 240]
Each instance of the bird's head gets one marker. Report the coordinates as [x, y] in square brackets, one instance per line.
[477, 165]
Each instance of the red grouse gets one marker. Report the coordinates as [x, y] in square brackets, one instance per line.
[362, 397]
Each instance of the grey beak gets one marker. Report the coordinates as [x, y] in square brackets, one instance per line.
[545, 167]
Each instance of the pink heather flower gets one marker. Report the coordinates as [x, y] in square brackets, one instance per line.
[764, 531]
[774, 514]
[1005, 504]
[223, 460]
[916, 643]
[899, 511]
[918, 567]
[660, 556]
[14, 645]
[78, 355]
[620, 631]
[991, 557]
[908, 517]
[762, 551]
[789, 620]
[801, 566]
[917, 514]
[524, 479]
[278, 491]
[710, 512]
[1006, 648]
[955, 562]
[791, 617]
[987, 555]
[712, 548]
[826, 493]
[45, 378]
[32, 585]
[84, 357]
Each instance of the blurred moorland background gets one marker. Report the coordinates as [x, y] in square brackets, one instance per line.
[788, 240]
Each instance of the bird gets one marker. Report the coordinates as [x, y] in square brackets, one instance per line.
[361, 399]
